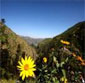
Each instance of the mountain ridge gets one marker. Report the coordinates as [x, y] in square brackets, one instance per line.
[73, 34]
[12, 48]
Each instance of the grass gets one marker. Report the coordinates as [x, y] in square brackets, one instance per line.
[7, 81]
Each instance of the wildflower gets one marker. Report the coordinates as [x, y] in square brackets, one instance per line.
[26, 67]
[44, 59]
[65, 42]
[74, 54]
[62, 41]
[83, 64]
[63, 79]
[79, 58]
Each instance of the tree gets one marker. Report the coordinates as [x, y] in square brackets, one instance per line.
[3, 20]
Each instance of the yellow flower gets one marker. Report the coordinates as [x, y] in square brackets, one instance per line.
[26, 67]
[65, 42]
[45, 59]
[61, 41]
[74, 54]
[63, 79]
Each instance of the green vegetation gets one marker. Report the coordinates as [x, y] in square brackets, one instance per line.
[7, 81]
[64, 63]
[61, 64]
[12, 48]
[75, 35]
[61, 61]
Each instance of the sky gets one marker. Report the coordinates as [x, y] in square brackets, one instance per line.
[41, 18]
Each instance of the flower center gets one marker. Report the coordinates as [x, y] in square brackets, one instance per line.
[26, 67]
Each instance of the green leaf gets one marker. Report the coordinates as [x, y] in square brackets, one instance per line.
[66, 59]
[55, 80]
[62, 63]
[53, 71]
[57, 64]
[64, 72]
[46, 70]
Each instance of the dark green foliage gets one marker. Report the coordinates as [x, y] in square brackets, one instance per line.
[61, 63]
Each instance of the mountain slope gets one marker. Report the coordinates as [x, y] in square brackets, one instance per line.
[75, 35]
[43, 45]
[12, 48]
[63, 57]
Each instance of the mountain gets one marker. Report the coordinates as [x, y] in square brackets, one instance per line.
[75, 35]
[12, 48]
[44, 44]
[63, 57]
[33, 41]
[56, 61]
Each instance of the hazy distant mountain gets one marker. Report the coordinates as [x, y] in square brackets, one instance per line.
[31, 41]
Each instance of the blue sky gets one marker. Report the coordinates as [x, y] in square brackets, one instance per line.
[41, 18]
